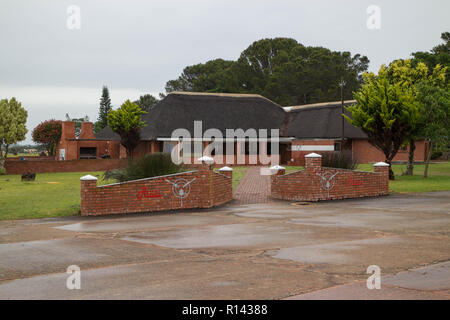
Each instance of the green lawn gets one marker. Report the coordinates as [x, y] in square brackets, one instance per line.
[51, 195]
[438, 178]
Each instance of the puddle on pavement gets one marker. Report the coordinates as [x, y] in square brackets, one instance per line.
[371, 220]
[336, 253]
[233, 235]
[141, 223]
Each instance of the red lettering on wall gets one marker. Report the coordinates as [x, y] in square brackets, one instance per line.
[144, 193]
[351, 182]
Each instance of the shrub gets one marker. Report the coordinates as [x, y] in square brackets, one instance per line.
[342, 160]
[150, 165]
[435, 154]
[48, 134]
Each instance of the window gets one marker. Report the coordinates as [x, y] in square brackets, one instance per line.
[168, 146]
[337, 146]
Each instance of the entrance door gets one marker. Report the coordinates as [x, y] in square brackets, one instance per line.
[285, 153]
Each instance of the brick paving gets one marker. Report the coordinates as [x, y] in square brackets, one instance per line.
[253, 188]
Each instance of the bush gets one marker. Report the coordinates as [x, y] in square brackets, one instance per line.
[150, 165]
[436, 154]
[342, 160]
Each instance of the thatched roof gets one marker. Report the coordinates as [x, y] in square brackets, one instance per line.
[233, 111]
[221, 111]
[320, 121]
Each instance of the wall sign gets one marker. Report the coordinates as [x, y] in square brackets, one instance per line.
[144, 193]
[299, 147]
[181, 188]
[327, 181]
[352, 182]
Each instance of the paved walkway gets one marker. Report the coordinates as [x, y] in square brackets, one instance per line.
[253, 188]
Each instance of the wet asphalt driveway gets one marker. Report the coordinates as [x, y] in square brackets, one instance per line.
[256, 251]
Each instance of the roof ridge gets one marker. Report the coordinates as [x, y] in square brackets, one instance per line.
[321, 104]
[226, 94]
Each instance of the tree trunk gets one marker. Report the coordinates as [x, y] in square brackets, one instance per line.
[427, 162]
[3, 158]
[410, 166]
[391, 172]
[129, 153]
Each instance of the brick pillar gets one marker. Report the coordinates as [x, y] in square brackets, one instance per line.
[227, 171]
[313, 162]
[383, 168]
[88, 188]
[275, 172]
[205, 174]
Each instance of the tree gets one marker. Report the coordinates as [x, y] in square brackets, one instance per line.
[105, 108]
[12, 126]
[48, 134]
[281, 69]
[202, 77]
[146, 102]
[385, 112]
[435, 117]
[439, 55]
[126, 121]
[408, 76]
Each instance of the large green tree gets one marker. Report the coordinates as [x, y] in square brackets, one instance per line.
[435, 116]
[386, 112]
[203, 77]
[439, 55]
[146, 102]
[281, 69]
[13, 118]
[408, 76]
[127, 122]
[105, 108]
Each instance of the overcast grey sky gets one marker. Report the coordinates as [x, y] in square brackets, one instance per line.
[135, 46]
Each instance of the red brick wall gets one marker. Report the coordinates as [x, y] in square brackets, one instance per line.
[156, 194]
[364, 152]
[305, 185]
[42, 166]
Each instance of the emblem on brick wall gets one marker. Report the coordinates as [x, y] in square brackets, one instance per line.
[327, 181]
[181, 188]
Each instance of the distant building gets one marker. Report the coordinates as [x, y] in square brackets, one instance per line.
[302, 129]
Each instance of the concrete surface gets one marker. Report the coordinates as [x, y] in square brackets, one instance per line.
[276, 250]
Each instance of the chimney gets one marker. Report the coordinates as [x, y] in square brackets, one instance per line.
[67, 130]
[87, 131]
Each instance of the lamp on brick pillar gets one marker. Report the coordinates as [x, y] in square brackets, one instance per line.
[277, 170]
[383, 167]
[227, 171]
[206, 161]
[313, 162]
[88, 186]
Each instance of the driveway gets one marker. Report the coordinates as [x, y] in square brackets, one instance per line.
[273, 250]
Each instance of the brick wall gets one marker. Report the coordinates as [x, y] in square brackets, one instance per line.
[43, 166]
[311, 184]
[364, 152]
[207, 189]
